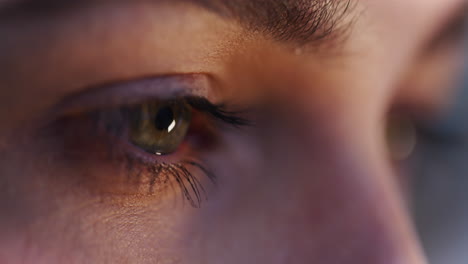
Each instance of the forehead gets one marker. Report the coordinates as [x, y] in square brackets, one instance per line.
[272, 15]
[299, 21]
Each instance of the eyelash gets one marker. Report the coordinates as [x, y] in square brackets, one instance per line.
[140, 163]
[191, 187]
[219, 112]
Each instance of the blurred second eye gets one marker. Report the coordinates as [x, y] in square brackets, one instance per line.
[401, 137]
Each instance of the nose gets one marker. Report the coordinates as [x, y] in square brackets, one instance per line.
[336, 195]
[339, 199]
[325, 194]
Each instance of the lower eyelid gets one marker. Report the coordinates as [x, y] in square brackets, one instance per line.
[156, 172]
[185, 174]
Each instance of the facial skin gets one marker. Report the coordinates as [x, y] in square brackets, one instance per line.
[311, 181]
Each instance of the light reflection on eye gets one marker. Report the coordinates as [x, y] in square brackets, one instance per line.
[159, 127]
[152, 139]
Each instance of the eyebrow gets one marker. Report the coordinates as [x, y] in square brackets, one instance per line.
[298, 21]
[302, 22]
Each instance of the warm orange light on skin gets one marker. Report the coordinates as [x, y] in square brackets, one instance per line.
[310, 182]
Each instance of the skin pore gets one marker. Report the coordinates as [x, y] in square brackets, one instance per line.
[310, 181]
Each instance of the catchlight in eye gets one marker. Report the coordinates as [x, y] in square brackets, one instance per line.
[159, 127]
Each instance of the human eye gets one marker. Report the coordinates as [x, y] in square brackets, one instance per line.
[431, 93]
[144, 137]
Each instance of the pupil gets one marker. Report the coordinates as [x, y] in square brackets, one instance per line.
[164, 118]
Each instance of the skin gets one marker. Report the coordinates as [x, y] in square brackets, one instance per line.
[311, 182]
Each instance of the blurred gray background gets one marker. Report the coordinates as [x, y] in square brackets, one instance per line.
[441, 184]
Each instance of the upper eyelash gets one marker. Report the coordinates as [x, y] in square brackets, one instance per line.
[218, 111]
[107, 122]
[191, 188]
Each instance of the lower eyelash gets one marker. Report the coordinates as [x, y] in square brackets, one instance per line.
[93, 138]
[181, 175]
[159, 173]
[190, 185]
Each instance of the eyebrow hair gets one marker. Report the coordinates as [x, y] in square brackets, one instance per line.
[302, 22]
[299, 21]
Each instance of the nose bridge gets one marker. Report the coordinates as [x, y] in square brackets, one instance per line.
[351, 209]
[341, 203]
[325, 193]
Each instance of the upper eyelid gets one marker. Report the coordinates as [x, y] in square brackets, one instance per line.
[117, 94]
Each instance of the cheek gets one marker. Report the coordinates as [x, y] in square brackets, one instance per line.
[49, 217]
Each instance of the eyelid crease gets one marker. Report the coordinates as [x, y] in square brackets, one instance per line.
[118, 94]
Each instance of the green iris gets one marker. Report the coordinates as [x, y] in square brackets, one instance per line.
[159, 127]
